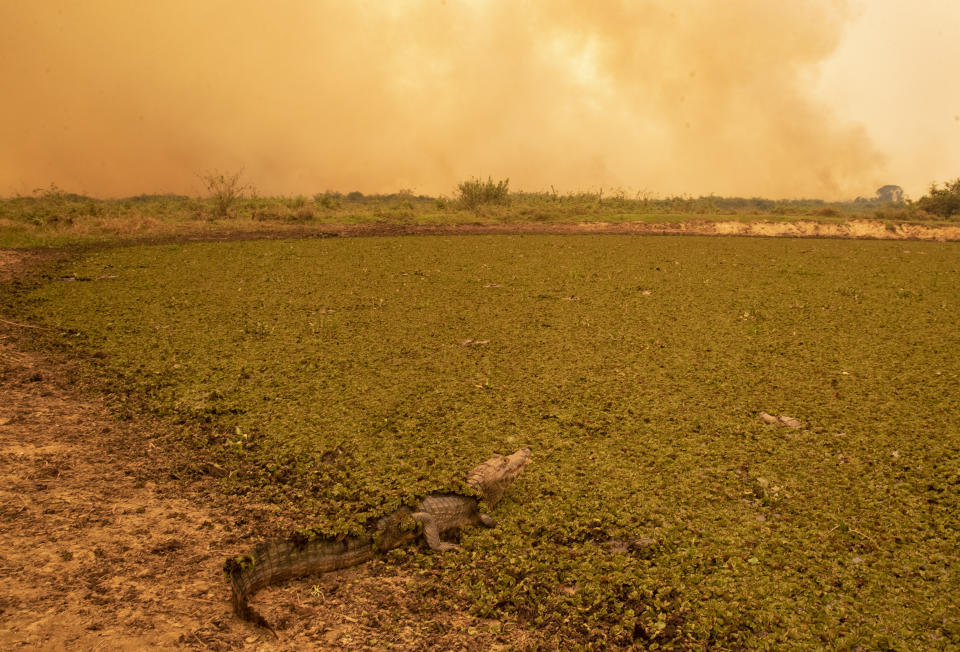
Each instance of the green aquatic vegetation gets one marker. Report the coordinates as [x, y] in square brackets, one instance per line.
[340, 378]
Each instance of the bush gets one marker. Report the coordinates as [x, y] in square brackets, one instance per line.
[328, 199]
[944, 202]
[476, 192]
[303, 214]
[224, 190]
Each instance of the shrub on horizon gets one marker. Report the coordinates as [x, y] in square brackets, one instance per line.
[476, 192]
[224, 190]
[328, 199]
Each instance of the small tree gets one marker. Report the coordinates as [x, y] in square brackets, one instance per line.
[944, 202]
[224, 190]
[890, 193]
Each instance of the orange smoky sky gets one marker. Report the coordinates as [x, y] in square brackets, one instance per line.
[114, 98]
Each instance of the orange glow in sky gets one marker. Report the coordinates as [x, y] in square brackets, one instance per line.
[808, 98]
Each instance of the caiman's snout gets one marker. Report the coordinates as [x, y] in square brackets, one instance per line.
[518, 460]
[493, 476]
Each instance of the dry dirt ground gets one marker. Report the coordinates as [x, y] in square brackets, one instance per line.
[100, 548]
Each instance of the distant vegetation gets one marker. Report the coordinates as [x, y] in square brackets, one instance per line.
[51, 215]
[944, 202]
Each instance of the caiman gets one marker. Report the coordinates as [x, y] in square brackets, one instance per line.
[271, 562]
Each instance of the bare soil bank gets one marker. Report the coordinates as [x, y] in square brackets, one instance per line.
[860, 229]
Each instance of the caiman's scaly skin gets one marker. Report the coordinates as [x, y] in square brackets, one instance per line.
[271, 562]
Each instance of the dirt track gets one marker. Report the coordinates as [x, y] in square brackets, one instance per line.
[93, 553]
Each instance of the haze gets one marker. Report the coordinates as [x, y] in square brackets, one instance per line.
[741, 97]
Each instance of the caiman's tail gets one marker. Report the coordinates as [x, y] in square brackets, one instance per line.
[274, 561]
[239, 571]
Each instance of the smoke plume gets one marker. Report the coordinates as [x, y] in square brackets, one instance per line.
[115, 98]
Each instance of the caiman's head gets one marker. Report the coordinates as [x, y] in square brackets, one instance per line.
[493, 477]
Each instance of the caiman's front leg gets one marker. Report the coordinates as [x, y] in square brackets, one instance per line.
[431, 533]
[486, 521]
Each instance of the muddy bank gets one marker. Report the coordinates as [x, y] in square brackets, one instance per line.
[856, 229]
